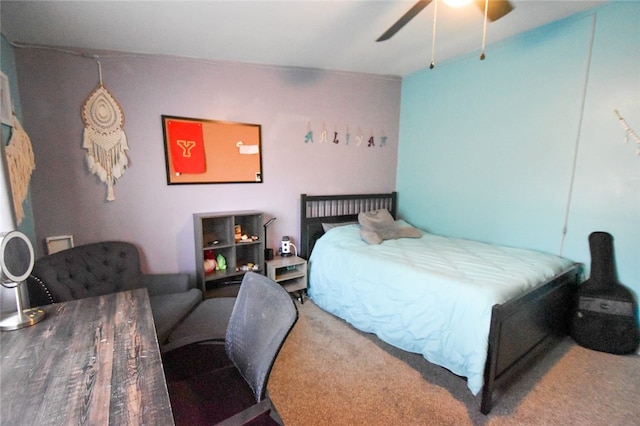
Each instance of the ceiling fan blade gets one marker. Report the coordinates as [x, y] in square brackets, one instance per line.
[497, 8]
[411, 13]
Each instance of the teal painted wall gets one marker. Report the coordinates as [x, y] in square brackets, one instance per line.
[8, 66]
[487, 147]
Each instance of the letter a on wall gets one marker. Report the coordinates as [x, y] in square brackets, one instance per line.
[186, 143]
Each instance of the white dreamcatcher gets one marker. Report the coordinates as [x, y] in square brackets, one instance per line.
[104, 137]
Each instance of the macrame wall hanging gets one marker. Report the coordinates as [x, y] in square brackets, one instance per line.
[104, 137]
[21, 163]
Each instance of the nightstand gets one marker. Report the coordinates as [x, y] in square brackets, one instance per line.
[290, 272]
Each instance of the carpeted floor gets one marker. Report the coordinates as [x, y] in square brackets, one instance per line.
[328, 373]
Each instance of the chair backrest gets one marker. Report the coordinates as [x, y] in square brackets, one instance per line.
[85, 271]
[260, 322]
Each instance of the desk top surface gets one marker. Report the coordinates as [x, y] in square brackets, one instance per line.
[92, 361]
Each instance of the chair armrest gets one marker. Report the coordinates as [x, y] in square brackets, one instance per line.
[248, 415]
[39, 294]
[157, 284]
[188, 340]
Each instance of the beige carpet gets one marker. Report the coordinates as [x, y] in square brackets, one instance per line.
[330, 374]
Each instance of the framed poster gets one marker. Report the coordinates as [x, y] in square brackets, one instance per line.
[211, 151]
[59, 243]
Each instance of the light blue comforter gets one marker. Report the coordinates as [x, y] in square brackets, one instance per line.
[431, 295]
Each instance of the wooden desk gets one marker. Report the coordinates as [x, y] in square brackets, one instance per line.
[92, 361]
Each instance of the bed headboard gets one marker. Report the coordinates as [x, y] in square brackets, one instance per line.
[318, 209]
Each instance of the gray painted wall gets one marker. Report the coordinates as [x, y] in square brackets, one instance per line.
[157, 217]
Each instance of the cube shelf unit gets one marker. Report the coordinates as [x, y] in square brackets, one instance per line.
[215, 234]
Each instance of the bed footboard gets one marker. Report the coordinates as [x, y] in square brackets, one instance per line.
[523, 328]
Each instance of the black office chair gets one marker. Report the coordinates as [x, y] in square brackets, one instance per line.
[210, 382]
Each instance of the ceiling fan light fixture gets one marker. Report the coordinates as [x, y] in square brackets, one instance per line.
[457, 3]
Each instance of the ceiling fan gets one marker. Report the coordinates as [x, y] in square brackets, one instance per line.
[496, 10]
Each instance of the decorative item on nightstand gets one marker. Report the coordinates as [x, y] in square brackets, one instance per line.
[268, 253]
[285, 247]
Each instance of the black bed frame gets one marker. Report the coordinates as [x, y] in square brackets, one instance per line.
[521, 329]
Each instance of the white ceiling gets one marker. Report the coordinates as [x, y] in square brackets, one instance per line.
[331, 34]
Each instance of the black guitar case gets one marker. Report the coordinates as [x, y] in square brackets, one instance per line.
[606, 314]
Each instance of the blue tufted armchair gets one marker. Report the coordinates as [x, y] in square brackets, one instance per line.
[109, 267]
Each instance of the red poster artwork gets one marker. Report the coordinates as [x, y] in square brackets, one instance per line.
[187, 147]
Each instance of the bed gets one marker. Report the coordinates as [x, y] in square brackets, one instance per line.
[485, 333]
